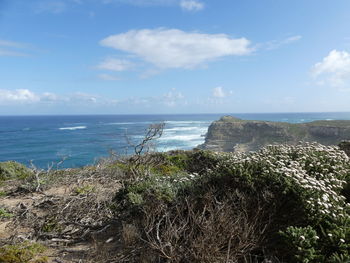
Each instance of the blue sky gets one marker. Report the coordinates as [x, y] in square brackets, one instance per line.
[174, 56]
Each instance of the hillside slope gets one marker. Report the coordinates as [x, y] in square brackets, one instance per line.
[181, 207]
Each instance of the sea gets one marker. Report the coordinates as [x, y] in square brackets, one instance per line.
[76, 141]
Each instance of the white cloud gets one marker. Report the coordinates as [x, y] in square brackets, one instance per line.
[187, 5]
[25, 96]
[173, 95]
[291, 39]
[191, 5]
[49, 97]
[172, 98]
[83, 97]
[334, 69]
[12, 44]
[173, 48]
[149, 73]
[107, 77]
[114, 64]
[19, 95]
[274, 44]
[142, 2]
[10, 53]
[219, 92]
[8, 48]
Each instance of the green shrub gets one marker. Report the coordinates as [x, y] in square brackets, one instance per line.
[84, 190]
[284, 202]
[178, 158]
[25, 252]
[302, 241]
[13, 170]
[51, 225]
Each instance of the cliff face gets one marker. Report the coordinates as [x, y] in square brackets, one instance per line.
[231, 134]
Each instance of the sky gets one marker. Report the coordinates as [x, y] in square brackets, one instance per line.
[174, 56]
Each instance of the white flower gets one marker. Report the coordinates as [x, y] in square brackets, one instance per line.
[325, 197]
[342, 240]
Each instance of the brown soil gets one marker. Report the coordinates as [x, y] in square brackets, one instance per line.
[71, 216]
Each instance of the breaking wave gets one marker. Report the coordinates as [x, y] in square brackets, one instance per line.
[73, 128]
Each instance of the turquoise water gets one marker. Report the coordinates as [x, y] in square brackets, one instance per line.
[84, 139]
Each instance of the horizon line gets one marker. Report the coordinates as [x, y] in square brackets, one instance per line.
[165, 114]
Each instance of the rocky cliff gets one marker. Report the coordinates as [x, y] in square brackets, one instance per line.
[232, 134]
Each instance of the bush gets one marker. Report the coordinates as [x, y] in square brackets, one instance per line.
[345, 146]
[13, 170]
[283, 203]
[25, 252]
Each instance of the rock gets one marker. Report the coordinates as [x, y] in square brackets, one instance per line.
[230, 134]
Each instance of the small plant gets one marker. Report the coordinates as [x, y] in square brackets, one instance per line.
[13, 170]
[5, 214]
[25, 252]
[51, 225]
[84, 190]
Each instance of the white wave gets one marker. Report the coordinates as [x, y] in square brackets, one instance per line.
[119, 123]
[73, 128]
[182, 146]
[193, 128]
[188, 137]
[128, 123]
[180, 129]
[329, 119]
[137, 136]
[186, 122]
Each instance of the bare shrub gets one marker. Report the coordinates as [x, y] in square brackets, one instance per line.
[130, 234]
[207, 229]
[141, 162]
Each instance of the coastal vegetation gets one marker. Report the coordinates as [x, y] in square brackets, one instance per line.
[283, 203]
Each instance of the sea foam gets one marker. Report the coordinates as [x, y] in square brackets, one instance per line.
[73, 128]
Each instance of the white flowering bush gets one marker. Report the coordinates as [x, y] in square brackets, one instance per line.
[287, 203]
[314, 174]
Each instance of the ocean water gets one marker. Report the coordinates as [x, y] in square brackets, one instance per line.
[82, 140]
